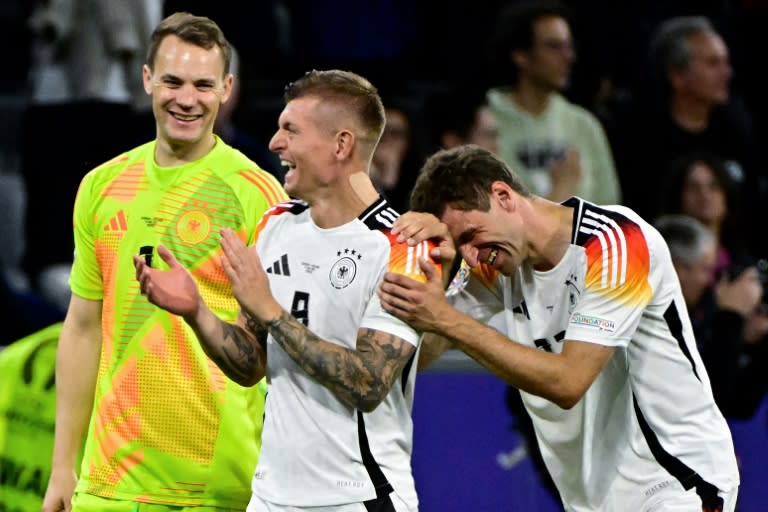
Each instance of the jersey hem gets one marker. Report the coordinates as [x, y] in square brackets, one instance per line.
[181, 501]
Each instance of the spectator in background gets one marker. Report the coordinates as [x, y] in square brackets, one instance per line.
[461, 115]
[558, 148]
[394, 166]
[390, 153]
[699, 185]
[126, 373]
[729, 317]
[688, 107]
[613, 56]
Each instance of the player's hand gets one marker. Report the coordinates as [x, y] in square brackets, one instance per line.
[415, 227]
[173, 290]
[250, 283]
[422, 305]
[58, 495]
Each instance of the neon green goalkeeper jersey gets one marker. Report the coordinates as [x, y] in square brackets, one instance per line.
[167, 425]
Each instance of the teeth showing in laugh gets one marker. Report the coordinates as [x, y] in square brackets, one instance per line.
[185, 117]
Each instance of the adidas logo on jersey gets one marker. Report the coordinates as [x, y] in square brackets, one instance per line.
[117, 223]
[280, 267]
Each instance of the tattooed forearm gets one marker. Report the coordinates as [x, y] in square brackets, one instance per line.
[360, 378]
[238, 355]
[257, 328]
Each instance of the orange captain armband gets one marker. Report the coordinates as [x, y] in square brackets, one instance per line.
[404, 259]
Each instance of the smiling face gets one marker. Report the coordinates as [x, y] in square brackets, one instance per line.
[495, 238]
[188, 85]
[306, 146]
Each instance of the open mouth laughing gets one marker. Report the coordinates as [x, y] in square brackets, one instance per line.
[492, 256]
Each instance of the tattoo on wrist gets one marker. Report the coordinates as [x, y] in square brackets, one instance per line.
[238, 357]
[275, 322]
[259, 329]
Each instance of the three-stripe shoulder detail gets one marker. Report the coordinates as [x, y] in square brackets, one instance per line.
[293, 206]
[379, 216]
[611, 231]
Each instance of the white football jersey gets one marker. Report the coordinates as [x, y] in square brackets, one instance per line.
[648, 424]
[317, 451]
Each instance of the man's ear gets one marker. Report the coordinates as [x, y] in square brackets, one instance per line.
[229, 83]
[146, 76]
[345, 144]
[504, 195]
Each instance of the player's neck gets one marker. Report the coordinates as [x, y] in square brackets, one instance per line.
[549, 226]
[345, 201]
[168, 154]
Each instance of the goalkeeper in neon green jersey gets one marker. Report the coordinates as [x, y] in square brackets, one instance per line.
[161, 423]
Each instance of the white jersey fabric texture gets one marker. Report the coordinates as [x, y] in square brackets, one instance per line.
[317, 451]
[648, 425]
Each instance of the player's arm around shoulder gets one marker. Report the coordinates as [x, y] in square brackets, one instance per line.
[562, 378]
